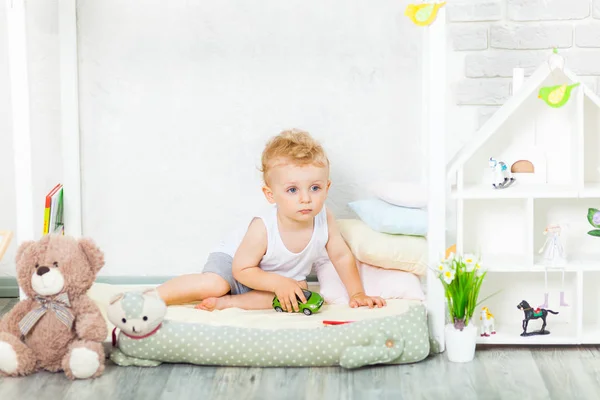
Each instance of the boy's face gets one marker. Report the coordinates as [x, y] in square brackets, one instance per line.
[298, 190]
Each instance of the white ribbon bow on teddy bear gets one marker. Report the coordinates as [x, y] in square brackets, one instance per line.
[59, 305]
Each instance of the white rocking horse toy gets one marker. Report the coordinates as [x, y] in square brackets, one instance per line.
[487, 322]
[501, 178]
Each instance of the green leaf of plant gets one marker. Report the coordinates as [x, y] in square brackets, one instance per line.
[594, 232]
[590, 216]
[463, 292]
[491, 295]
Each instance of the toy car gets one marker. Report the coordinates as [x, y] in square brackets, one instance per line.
[313, 304]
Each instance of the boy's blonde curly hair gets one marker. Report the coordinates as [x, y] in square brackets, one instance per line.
[293, 145]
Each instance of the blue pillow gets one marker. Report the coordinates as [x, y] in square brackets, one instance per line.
[388, 218]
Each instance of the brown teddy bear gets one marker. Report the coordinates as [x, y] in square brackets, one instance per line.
[58, 327]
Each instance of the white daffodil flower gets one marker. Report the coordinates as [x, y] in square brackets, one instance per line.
[448, 276]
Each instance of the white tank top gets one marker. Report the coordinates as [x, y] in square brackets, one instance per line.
[278, 258]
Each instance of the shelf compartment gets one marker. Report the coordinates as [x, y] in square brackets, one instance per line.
[529, 286]
[581, 250]
[496, 229]
[591, 308]
[549, 138]
[510, 263]
[560, 333]
[590, 190]
[591, 147]
[591, 334]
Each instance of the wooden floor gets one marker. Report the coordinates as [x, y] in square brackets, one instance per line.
[496, 373]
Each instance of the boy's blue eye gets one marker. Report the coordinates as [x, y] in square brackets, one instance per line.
[292, 190]
[314, 188]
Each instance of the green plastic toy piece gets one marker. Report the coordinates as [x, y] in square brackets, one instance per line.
[313, 304]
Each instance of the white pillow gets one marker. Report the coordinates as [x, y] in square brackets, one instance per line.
[403, 194]
[385, 283]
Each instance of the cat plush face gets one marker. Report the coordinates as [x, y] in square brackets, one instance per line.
[137, 313]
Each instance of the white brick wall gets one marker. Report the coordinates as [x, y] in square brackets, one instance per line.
[475, 10]
[491, 37]
[482, 91]
[588, 35]
[524, 37]
[547, 10]
[501, 63]
[469, 37]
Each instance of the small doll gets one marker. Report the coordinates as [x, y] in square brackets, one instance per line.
[553, 253]
[552, 250]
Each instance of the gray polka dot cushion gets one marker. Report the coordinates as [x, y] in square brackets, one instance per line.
[146, 339]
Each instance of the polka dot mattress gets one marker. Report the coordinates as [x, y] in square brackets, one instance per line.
[395, 334]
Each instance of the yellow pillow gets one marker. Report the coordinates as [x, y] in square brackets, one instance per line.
[402, 252]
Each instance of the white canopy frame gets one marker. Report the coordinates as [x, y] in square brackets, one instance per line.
[433, 122]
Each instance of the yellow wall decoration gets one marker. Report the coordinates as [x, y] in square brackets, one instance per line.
[423, 14]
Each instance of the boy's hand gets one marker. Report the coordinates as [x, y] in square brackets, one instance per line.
[286, 292]
[361, 299]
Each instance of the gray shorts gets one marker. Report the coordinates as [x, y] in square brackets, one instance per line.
[221, 264]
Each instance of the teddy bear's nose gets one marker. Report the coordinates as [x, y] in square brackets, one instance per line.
[43, 270]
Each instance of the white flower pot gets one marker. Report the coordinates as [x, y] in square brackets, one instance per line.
[460, 345]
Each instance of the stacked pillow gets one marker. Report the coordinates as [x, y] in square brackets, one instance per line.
[388, 242]
[397, 208]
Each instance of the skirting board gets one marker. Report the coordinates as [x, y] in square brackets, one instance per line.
[10, 289]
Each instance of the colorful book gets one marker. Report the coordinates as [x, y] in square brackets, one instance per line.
[53, 212]
[59, 225]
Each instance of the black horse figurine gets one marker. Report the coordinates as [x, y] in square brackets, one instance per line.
[531, 313]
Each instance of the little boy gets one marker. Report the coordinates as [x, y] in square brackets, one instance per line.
[274, 252]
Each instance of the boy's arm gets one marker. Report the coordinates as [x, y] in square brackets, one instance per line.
[246, 268]
[342, 259]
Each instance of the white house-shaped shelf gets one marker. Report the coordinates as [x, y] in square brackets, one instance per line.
[554, 155]
[560, 145]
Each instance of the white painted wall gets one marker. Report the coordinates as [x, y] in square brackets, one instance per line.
[44, 89]
[214, 74]
[7, 184]
[179, 97]
[42, 49]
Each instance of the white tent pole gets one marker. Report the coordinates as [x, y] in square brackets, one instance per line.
[69, 101]
[434, 118]
[19, 92]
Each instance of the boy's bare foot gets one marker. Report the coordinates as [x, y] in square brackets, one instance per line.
[212, 303]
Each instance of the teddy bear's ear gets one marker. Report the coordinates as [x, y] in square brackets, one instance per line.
[115, 298]
[94, 255]
[21, 249]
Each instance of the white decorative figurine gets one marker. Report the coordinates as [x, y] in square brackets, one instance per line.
[501, 175]
[553, 255]
[487, 322]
